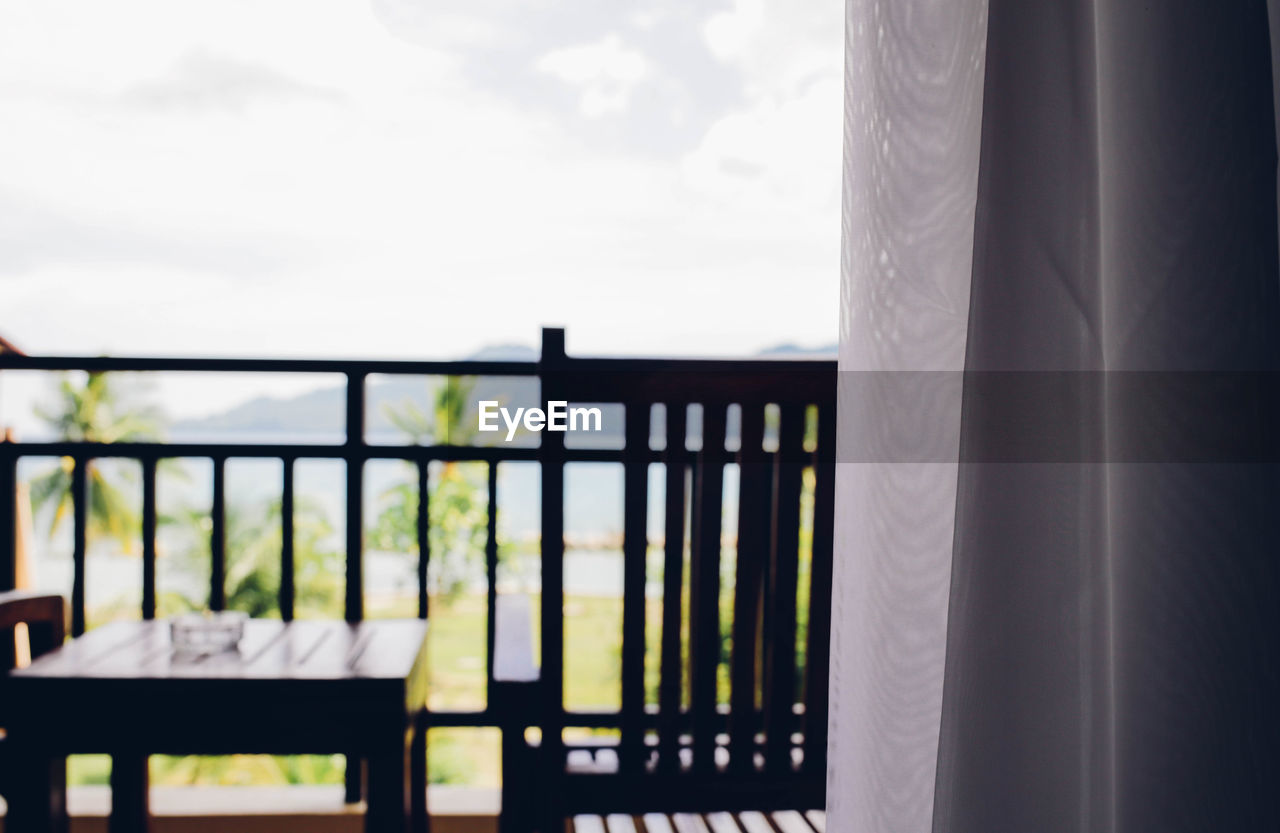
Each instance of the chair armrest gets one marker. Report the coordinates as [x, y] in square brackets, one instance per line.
[44, 615]
[513, 660]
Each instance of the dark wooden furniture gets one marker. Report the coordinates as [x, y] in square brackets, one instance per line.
[297, 687]
[45, 619]
[692, 747]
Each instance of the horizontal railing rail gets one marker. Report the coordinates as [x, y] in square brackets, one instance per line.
[349, 367]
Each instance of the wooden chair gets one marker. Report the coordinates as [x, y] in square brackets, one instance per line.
[45, 619]
[690, 753]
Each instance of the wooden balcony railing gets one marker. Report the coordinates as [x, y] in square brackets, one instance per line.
[738, 398]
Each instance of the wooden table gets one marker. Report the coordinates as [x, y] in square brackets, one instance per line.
[302, 687]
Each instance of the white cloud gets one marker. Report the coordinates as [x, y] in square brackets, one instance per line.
[318, 184]
[730, 33]
[606, 73]
[778, 45]
[201, 80]
[786, 148]
[783, 139]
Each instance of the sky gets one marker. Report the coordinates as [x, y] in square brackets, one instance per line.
[418, 178]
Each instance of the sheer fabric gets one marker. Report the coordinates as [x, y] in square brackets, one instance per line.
[1088, 642]
[914, 78]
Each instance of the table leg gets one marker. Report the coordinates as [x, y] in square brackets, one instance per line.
[388, 785]
[130, 794]
[418, 820]
[38, 802]
[354, 778]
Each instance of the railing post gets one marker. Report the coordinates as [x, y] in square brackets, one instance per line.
[550, 366]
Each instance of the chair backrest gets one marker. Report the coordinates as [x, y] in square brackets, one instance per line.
[740, 714]
[44, 617]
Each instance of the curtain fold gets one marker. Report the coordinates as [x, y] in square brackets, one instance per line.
[1079, 628]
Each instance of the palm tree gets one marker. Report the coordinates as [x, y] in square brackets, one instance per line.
[447, 423]
[254, 533]
[95, 411]
[457, 511]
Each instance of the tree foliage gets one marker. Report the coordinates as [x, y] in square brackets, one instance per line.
[95, 410]
[457, 510]
[254, 538]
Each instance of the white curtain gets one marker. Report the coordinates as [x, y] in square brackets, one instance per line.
[1057, 597]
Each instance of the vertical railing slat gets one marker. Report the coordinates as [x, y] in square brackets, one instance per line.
[9, 573]
[149, 537]
[672, 668]
[424, 535]
[8, 516]
[491, 577]
[635, 546]
[780, 633]
[818, 647]
[288, 592]
[218, 537]
[355, 497]
[754, 482]
[704, 589]
[79, 541]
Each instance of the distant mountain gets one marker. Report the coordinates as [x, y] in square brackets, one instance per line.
[317, 411]
[504, 353]
[323, 412]
[795, 351]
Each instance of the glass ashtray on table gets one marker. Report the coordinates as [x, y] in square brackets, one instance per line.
[203, 634]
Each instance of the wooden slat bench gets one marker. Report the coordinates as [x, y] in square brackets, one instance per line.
[692, 748]
[747, 821]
